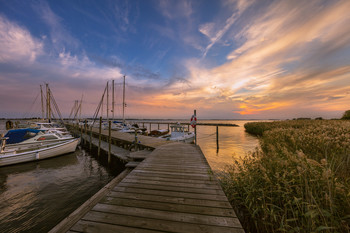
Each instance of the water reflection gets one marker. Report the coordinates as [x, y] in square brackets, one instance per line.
[36, 196]
[234, 143]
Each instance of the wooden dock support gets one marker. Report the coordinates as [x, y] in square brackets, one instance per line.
[217, 138]
[99, 138]
[90, 147]
[195, 129]
[81, 135]
[109, 141]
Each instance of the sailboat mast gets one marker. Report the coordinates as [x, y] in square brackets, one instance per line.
[42, 103]
[48, 109]
[124, 99]
[113, 100]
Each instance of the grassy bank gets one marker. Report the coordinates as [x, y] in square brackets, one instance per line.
[298, 181]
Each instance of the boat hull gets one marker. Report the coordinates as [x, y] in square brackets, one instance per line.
[44, 153]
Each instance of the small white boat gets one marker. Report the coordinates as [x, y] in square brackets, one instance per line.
[44, 126]
[180, 133]
[15, 156]
[30, 138]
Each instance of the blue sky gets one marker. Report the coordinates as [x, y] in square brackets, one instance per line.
[229, 59]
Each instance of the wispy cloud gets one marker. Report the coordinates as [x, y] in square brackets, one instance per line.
[216, 30]
[289, 57]
[17, 44]
[175, 9]
[59, 35]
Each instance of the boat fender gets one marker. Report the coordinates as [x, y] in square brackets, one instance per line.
[193, 121]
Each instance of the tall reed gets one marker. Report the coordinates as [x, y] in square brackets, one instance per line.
[298, 180]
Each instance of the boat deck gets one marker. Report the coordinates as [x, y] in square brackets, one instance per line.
[172, 190]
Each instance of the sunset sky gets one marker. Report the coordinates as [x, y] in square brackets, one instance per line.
[229, 59]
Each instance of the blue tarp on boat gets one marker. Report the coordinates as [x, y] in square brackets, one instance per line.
[19, 135]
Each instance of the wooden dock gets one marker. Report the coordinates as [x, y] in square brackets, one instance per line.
[172, 190]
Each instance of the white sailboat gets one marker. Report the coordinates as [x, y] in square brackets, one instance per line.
[12, 156]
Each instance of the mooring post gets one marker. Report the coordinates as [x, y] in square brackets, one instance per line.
[195, 128]
[90, 137]
[168, 126]
[150, 126]
[99, 138]
[143, 124]
[136, 142]
[109, 142]
[217, 138]
[188, 128]
[81, 135]
[158, 126]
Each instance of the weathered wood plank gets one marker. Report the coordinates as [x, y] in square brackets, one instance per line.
[155, 224]
[213, 197]
[167, 215]
[171, 188]
[93, 227]
[174, 207]
[167, 199]
[177, 184]
[171, 179]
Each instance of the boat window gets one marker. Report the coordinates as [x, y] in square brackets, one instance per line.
[47, 137]
[29, 135]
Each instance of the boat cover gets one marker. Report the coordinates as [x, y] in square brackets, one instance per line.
[20, 135]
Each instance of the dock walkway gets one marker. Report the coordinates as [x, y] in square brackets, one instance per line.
[172, 190]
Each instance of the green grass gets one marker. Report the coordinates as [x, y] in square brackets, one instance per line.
[297, 182]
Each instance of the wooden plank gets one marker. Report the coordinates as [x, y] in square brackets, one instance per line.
[206, 210]
[93, 227]
[155, 224]
[172, 175]
[177, 184]
[171, 188]
[213, 197]
[132, 164]
[172, 179]
[167, 199]
[167, 215]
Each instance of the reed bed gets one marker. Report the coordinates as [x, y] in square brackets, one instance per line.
[297, 181]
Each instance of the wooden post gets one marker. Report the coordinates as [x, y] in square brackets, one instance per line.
[217, 138]
[143, 124]
[136, 141]
[109, 142]
[158, 126]
[99, 138]
[168, 126]
[188, 128]
[195, 129]
[81, 135]
[150, 127]
[90, 137]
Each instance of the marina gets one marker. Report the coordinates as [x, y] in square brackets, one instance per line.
[148, 145]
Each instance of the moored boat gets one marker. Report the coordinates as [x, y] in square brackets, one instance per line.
[15, 155]
[29, 138]
[180, 133]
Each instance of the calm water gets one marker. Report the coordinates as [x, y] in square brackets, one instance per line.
[234, 142]
[36, 196]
